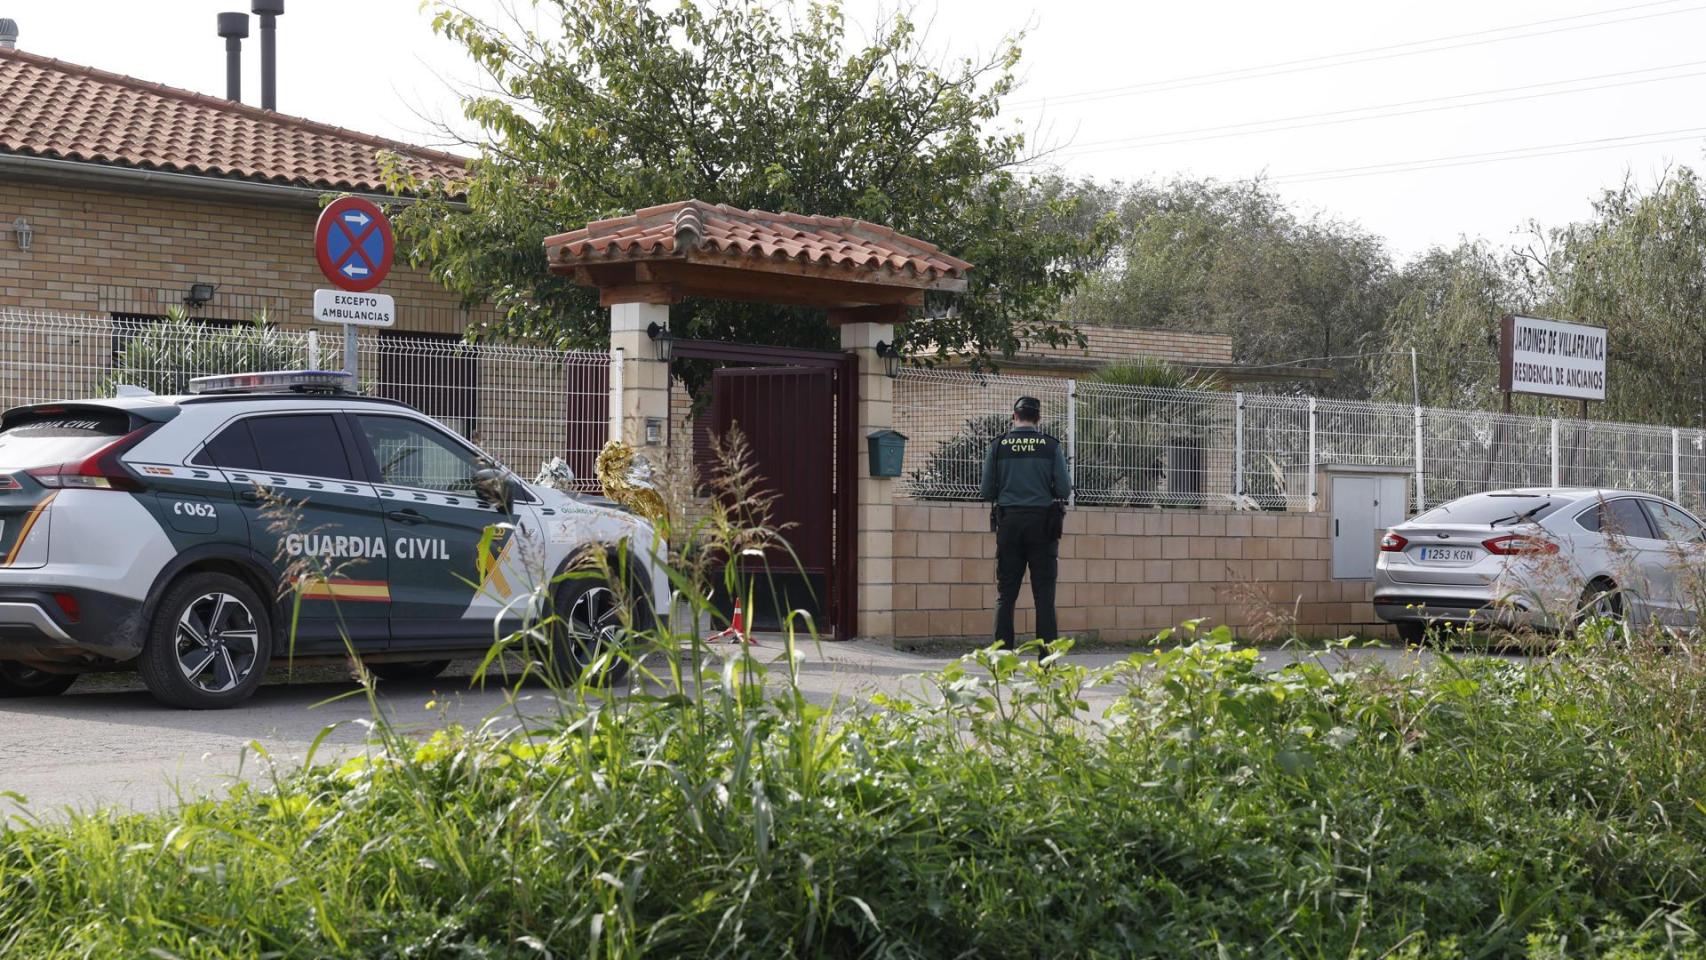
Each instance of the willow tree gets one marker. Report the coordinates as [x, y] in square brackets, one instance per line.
[1447, 309]
[1638, 268]
[615, 105]
[1233, 258]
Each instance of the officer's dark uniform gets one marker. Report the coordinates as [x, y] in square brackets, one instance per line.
[1025, 476]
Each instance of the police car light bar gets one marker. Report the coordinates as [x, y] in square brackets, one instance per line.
[276, 381]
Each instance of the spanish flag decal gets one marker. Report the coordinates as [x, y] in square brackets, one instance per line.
[336, 588]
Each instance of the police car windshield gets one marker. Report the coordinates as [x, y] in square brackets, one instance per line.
[41, 439]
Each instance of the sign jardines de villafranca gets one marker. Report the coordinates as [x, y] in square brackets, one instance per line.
[1552, 359]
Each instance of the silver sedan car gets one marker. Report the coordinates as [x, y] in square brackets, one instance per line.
[1543, 558]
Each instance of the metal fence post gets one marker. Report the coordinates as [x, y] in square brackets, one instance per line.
[616, 397]
[1676, 464]
[1072, 440]
[1555, 482]
[1238, 444]
[1421, 476]
[1313, 468]
[351, 350]
[313, 349]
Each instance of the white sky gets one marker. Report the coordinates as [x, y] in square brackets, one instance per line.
[1076, 46]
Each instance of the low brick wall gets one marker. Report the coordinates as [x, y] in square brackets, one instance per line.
[1125, 574]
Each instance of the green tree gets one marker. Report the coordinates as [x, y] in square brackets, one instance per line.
[1448, 305]
[1634, 267]
[1234, 259]
[623, 104]
[1638, 268]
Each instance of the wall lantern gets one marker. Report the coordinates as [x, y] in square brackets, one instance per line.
[22, 232]
[654, 431]
[200, 293]
[891, 358]
[662, 340]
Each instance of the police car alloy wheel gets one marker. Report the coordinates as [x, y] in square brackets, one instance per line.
[18, 680]
[209, 644]
[590, 624]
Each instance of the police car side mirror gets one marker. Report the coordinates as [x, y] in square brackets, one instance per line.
[494, 489]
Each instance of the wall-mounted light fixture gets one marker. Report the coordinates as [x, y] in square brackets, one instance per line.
[891, 358]
[199, 294]
[654, 431]
[22, 233]
[662, 340]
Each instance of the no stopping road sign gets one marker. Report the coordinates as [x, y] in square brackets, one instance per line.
[354, 244]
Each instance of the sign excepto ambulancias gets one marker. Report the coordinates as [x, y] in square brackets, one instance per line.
[1551, 358]
[357, 309]
[353, 244]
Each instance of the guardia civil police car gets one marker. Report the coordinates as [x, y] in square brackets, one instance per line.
[175, 534]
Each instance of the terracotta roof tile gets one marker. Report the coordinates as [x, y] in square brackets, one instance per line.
[49, 108]
[673, 229]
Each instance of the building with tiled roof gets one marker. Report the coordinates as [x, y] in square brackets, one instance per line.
[66, 112]
[119, 194]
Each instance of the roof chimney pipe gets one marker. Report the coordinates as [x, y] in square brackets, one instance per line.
[234, 27]
[269, 11]
[8, 34]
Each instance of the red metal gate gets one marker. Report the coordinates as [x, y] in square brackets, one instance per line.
[796, 410]
[782, 413]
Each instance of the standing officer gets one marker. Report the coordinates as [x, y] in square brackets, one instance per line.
[1025, 477]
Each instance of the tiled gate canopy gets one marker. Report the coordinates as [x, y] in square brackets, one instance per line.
[693, 248]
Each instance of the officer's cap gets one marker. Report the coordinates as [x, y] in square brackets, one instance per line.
[1028, 407]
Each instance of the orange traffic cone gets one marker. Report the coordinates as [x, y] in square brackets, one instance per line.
[736, 632]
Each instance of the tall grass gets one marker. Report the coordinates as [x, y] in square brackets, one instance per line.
[1484, 808]
[1481, 808]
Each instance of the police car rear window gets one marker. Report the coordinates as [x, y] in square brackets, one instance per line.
[40, 439]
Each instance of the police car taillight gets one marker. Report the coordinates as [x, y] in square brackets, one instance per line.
[101, 470]
[276, 381]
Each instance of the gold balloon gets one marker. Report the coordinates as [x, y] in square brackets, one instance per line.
[627, 479]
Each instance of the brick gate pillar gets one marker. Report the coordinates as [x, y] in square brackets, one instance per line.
[861, 330]
[639, 381]
[866, 275]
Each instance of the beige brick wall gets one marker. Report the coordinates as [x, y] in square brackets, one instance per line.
[101, 251]
[1113, 344]
[1126, 574]
[1107, 345]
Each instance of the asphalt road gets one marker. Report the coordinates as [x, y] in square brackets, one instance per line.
[107, 742]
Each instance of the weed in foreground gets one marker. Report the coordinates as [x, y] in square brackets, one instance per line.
[1484, 808]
